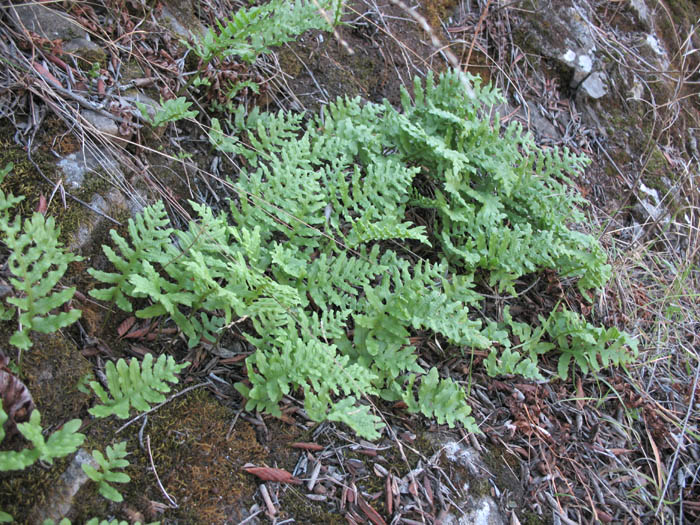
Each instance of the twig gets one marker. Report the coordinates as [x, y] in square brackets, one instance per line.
[173, 503]
[153, 409]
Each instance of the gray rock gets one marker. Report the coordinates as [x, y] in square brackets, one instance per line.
[101, 123]
[595, 85]
[45, 22]
[183, 25]
[74, 170]
[86, 49]
[59, 501]
[76, 165]
[482, 511]
[642, 11]
[152, 106]
[562, 33]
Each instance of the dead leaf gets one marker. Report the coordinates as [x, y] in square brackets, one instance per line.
[272, 474]
[43, 205]
[371, 514]
[126, 325]
[139, 332]
[307, 446]
[41, 69]
[17, 401]
[579, 394]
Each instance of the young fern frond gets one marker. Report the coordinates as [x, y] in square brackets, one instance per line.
[255, 30]
[36, 262]
[106, 473]
[60, 444]
[135, 385]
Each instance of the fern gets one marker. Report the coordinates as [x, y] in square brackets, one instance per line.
[170, 111]
[589, 347]
[441, 399]
[114, 460]
[134, 385]
[255, 30]
[306, 251]
[37, 261]
[60, 444]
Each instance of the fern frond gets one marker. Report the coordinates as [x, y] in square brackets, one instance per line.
[440, 398]
[106, 473]
[135, 385]
[37, 262]
[60, 444]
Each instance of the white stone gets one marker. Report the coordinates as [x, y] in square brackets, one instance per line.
[655, 45]
[569, 56]
[585, 63]
[595, 85]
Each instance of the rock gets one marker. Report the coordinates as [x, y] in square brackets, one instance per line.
[477, 508]
[183, 25]
[88, 50]
[562, 33]
[45, 22]
[152, 106]
[76, 165]
[101, 123]
[649, 208]
[595, 85]
[539, 123]
[482, 511]
[59, 501]
[642, 11]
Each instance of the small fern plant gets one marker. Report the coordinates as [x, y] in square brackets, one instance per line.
[254, 31]
[36, 263]
[106, 473]
[134, 385]
[60, 444]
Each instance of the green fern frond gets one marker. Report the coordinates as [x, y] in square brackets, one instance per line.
[106, 473]
[255, 30]
[135, 385]
[60, 444]
[150, 237]
[37, 261]
[440, 398]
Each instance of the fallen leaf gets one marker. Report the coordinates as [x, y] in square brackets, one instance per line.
[126, 325]
[16, 400]
[272, 474]
[307, 446]
[41, 69]
[43, 205]
[579, 394]
[371, 514]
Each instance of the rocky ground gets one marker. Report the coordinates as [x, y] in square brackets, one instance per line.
[616, 80]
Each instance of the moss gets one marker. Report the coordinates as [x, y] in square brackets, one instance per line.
[21, 492]
[295, 505]
[51, 369]
[197, 461]
[26, 180]
[437, 10]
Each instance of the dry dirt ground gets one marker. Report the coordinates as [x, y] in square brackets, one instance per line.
[621, 447]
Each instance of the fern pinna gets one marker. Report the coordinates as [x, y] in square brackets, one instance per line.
[311, 252]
